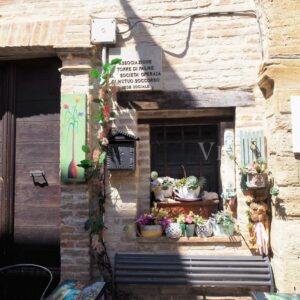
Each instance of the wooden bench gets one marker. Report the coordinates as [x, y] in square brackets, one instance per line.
[249, 273]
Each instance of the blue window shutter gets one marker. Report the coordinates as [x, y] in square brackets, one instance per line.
[246, 138]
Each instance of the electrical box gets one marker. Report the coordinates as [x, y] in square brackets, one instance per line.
[103, 31]
[121, 151]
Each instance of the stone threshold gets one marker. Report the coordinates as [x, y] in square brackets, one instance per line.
[216, 240]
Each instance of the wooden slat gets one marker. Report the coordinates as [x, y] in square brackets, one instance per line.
[198, 263]
[161, 281]
[219, 276]
[205, 271]
[246, 137]
[193, 269]
[38, 152]
[137, 256]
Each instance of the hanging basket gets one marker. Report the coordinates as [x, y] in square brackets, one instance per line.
[256, 181]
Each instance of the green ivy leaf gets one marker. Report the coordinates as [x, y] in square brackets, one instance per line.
[86, 163]
[116, 61]
[88, 224]
[102, 157]
[95, 73]
[86, 149]
[97, 100]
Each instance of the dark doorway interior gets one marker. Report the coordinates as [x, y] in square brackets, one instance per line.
[29, 144]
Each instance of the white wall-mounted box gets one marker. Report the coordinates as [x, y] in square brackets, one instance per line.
[295, 109]
[103, 31]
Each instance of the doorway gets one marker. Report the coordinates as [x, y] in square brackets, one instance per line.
[29, 162]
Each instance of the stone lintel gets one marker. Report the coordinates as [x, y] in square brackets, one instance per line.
[157, 100]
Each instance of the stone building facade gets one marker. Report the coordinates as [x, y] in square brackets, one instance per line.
[236, 64]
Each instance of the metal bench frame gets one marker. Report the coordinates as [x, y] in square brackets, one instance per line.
[23, 267]
[248, 272]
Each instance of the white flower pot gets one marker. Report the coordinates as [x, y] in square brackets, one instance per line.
[186, 193]
[204, 230]
[173, 231]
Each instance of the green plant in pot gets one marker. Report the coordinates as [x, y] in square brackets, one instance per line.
[152, 224]
[161, 186]
[203, 228]
[187, 224]
[222, 223]
[189, 187]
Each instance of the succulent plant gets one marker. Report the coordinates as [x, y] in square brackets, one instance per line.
[192, 182]
[154, 175]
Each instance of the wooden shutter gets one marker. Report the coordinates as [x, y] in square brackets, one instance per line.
[246, 138]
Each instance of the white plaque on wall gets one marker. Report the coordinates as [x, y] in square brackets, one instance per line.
[295, 109]
[141, 68]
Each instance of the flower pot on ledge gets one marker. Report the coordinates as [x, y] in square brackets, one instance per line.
[151, 231]
[256, 181]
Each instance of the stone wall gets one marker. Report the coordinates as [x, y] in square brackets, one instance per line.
[285, 166]
[279, 80]
[211, 53]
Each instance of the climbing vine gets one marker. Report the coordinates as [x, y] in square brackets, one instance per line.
[94, 164]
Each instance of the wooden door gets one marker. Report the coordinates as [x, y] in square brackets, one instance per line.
[29, 140]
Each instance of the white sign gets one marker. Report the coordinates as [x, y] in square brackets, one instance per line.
[141, 68]
[295, 108]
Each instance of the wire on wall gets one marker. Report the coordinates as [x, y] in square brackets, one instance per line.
[244, 13]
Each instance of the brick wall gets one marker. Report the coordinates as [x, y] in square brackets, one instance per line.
[205, 54]
[75, 198]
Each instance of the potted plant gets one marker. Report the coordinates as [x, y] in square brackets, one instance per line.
[189, 187]
[173, 230]
[161, 186]
[256, 174]
[203, 228]
[222, 223]
[152, 224]
[187, 224]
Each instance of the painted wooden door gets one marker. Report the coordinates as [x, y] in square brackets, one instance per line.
[29, 162]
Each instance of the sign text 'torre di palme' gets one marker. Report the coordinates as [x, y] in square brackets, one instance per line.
[140, 69]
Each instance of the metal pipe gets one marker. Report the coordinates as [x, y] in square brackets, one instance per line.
[104, 54]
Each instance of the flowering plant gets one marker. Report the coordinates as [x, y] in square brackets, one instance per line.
[186, 218]
[256, 167]
[156, 217]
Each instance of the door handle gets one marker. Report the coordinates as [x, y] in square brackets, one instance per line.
[39, 178]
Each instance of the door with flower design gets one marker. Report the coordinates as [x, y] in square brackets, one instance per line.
[30, 181]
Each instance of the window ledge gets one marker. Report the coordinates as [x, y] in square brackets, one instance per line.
[216, 240]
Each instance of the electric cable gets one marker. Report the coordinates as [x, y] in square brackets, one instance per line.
[198, 15]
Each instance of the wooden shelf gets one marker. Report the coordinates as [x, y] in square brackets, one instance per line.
[220, 240]
[203, 208]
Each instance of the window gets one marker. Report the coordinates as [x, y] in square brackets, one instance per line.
[193, 146]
